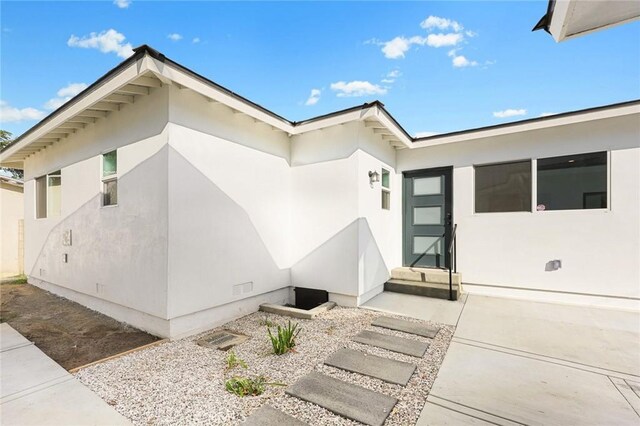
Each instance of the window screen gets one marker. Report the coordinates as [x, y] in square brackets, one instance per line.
[503, 187]
[572, 182]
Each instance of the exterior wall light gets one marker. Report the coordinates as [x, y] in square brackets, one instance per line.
[373, 178]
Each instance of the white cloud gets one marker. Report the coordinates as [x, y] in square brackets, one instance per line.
[314, 97]
[195, 40]
[122, 4]
[9, 114]
[357, 88]
[547, 114]
[391, 77]
[106, 41]
[64, 95]
[425, 134]
[509, 113]
[460, 61]
[441, 23]
[396, 48]
[441, 40]
[174, 37]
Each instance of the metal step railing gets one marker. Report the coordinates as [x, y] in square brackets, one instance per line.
[452, 260]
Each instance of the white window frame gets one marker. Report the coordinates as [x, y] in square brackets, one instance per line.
[385, 189]
[105, 179]
[495, 163]
[46, 177]
[534, 194]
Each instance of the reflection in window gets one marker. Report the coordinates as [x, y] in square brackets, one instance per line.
[573, 182]
[504, 187]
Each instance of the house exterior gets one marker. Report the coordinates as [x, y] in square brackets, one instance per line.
[166, 201]
[568, 19]
[11, 224]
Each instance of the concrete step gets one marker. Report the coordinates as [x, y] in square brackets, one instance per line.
[345, 399]
[405, 326]
[392, 343]
[269, 416]
[429, 275]
[426, 289]
[386, 369]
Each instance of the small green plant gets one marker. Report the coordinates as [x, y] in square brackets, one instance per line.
[267, 322]
[243, 386]
[233, 361]
[285, 338]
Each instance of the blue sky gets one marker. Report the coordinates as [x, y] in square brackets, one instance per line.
[437, 66]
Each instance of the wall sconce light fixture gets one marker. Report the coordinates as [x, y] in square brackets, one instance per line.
[373, 178]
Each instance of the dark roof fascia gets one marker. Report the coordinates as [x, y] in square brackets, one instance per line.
[530, 120]
[137, 55]
[159, 56]
[336, 113]
[392, 118]
[545, 21]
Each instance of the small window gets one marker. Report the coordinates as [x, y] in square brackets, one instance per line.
[49, 195]
[572, 182]
[110, 178]
[386, 189]
[54, 193]
[41, 197]
[503, 187]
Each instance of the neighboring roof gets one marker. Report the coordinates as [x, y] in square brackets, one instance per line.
[571, 117]
[147, 69]
[11, 181]
[567, 19]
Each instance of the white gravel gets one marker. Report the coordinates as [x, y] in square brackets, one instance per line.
[179, 382]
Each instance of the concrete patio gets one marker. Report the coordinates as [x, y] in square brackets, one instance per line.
[37, 391]
[524, 362]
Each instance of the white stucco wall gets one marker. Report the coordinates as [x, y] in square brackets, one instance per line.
[339, 227]
[118, 257]
[505, 252]
[11, 215]
[229, 211]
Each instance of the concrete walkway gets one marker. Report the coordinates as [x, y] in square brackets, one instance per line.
[34, 390]
[523, 362]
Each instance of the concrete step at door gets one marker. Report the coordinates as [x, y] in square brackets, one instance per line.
[418, 288]
[426, 275]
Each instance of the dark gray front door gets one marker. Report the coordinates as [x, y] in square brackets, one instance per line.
[427, 217]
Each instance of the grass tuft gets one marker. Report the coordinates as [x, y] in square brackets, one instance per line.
[234, 361]
[285, 338]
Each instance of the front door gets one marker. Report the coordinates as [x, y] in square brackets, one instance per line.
[427, 217]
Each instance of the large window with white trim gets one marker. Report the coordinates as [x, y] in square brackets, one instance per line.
[572, 182]
[504, 187]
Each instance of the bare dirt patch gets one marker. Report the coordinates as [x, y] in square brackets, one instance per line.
[69, 333]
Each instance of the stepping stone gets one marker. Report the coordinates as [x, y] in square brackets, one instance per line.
[269, 416]
[406, 326]
[342, 398]
[389, 370]
[392, 343]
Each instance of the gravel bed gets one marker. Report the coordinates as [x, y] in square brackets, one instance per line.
[180, 382]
